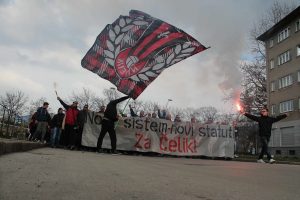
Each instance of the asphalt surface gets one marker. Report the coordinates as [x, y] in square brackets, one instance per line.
[50, 174]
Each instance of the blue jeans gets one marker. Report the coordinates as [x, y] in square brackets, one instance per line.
[55, 136]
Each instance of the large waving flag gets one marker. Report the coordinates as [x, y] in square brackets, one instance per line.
[135, 49]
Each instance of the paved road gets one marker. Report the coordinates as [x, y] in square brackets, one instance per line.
[50, 174]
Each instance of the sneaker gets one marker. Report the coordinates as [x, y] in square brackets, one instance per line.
[72, 147]
[271, 161]
[260, 161]
[114, 153]
[100, 151]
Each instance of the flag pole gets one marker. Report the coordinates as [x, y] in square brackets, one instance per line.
[55, 88]
[122, 112]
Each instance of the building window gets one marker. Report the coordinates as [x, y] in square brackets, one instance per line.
[286, 106]
[287, 136]
[284, 57]
[271, 43]
[284, 34]
[298, 50]
[285, 81]
[292, 152]
[278, 152]
[273, 110]
[272, 64]
[298, 25]
[272, 86]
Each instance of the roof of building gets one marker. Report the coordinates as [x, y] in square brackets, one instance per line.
[287, 19]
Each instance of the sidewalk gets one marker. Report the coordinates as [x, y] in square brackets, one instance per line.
[13, 145]
[290, 162]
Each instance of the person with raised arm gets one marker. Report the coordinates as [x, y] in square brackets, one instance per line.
[264, 128]
[70, 135]
[108, 124]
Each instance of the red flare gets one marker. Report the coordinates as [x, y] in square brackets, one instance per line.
[238, 106]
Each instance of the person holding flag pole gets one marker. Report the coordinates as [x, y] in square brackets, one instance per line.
[265, 126]
[108, 124]
[132, 52]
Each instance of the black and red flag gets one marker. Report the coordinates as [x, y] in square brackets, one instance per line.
[135, 49]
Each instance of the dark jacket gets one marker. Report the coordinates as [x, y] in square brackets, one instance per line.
[42, 115]
[81, 118]
[111, 109]
[265, 123]
[162, 115]
[132, 113]
[57, 120]
[32, 125]
[71, 114]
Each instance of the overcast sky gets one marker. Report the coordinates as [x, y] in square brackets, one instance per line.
[42, 42]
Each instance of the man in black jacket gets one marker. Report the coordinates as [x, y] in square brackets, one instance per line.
[56, 127]
[264, 127]
[108, 124]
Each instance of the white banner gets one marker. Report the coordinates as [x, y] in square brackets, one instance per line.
[162, 136]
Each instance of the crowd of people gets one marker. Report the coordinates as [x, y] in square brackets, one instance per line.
[65, 128]
[161, 114]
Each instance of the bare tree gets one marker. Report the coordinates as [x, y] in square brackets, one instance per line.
[35, 104]
[187, 114]
[177, 111]
[138, 105]
[149, 106]
[14, 105]
[254, 94]
[277, 12]
[246, 137]
[97, 102]
[84, 97]
[207, 114]
[14, 102]
[111, 94]
[88, 97]
[226, 118]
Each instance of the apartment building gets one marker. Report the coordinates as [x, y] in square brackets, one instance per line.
[283, 82]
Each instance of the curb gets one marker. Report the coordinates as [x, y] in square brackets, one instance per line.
[11, 146]
[277, 161]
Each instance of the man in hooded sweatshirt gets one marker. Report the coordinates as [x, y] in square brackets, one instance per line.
[264, 128]
[71, 127]
[108, 124]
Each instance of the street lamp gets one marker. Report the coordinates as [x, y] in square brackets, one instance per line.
[168, 102]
